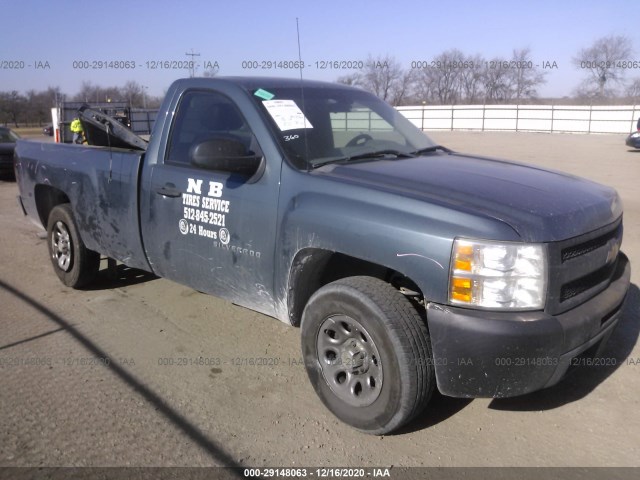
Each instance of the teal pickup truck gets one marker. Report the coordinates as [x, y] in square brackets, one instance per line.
[407, 267]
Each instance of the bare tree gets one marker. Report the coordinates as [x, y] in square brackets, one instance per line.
[134, 93]
[427, 85]
[496, 82]
[383, 76]
[633, 90]
[446, 75]
[404, 89]
[352, 79]
[53, 96]
[88, 93]
[12, 107]
[211, 71]
[450, 78]
[45, 100]
[524, 76]
[471, 80]
[36, 108]
[600, 62]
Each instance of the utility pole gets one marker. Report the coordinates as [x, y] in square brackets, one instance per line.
[192, 66]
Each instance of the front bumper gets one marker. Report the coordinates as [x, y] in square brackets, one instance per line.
[503, 354]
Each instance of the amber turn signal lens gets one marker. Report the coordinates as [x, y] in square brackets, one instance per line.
[461, 290]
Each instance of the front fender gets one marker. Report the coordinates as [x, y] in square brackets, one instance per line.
[404, 234]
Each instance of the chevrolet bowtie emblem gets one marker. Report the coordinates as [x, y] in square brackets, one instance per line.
[613, 252]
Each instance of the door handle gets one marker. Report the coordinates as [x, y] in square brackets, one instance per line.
[169, 190]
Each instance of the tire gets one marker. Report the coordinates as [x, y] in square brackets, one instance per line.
[367, 354]
[75, 265]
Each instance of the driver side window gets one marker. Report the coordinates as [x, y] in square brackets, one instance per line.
[201, 116]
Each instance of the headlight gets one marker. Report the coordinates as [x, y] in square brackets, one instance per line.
[502, 275]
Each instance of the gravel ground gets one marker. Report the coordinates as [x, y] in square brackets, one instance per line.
[141, 371]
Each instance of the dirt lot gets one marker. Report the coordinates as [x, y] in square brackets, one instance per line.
[157, 403]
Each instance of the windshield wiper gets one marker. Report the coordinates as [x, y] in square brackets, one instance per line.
[432, 149]
[363, 156]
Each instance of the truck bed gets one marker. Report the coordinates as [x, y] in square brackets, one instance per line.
[99, 183]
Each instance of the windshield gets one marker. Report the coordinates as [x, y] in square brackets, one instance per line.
[7, 136]
[333, 124]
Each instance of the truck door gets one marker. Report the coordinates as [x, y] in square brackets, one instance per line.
[212, 230]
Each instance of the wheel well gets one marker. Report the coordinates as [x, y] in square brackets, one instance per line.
[47, 198]
[313, 268]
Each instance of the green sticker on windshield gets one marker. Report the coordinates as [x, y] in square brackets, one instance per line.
[263, 94]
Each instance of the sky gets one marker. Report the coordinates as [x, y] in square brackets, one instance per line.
[52, 43]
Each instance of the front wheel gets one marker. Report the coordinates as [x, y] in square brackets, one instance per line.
[75, 265]
[367, 354]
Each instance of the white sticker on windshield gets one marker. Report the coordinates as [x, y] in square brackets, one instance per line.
[286, 114]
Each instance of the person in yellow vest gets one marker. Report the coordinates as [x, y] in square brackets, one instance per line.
[76, 129]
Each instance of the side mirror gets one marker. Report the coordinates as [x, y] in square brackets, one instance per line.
[226, 154]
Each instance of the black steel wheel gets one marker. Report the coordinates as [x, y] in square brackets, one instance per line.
[367, 354]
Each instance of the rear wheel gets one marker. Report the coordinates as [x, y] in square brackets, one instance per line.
[75, 265]
[367, 354]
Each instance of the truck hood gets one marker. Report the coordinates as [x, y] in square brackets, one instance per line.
[540, 205]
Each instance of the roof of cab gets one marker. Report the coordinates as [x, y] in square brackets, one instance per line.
[251, 83]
